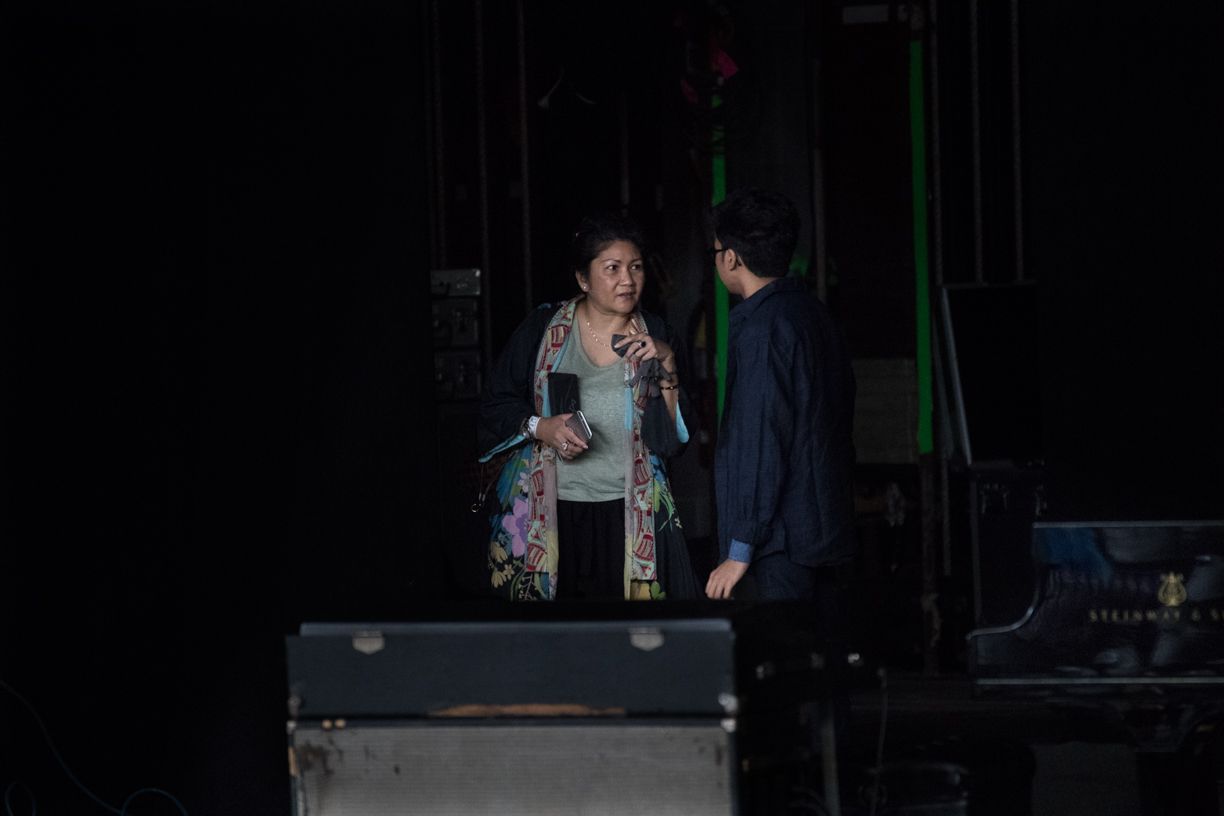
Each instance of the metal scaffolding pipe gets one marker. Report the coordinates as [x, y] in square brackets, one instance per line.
[941, 436]
[439, 164]
[1015, 78]
[622, 114]
[486, 288]
[524, 159]
[936, 152]
[819, 241]
[431, 182]
[975, 97]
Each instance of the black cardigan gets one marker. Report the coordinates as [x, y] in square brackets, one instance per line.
[509, 392]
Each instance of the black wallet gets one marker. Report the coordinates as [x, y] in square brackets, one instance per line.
[563, 399]
[562, 393]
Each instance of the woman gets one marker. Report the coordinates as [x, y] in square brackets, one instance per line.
[579, 519]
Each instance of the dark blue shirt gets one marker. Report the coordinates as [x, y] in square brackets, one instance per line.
[783, 467]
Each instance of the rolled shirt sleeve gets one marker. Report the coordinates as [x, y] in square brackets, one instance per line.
[741, 552]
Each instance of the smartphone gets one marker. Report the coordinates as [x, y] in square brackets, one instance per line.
[578, 424]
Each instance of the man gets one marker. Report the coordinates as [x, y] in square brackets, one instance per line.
[784, 460]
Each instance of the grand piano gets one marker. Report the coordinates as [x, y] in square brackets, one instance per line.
[1126, 628]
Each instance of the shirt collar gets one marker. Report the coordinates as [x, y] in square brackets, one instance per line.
[746, 307]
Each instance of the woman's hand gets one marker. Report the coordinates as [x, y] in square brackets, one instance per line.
[553, 432]
[643, 347]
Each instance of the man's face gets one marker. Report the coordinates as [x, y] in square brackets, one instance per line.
[720, 263]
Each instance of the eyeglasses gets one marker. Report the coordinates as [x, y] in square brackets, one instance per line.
[712, 252]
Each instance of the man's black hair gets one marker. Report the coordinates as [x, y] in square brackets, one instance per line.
[597, 232]
[762, 227]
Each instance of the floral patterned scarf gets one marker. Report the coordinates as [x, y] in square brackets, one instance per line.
[528, 491]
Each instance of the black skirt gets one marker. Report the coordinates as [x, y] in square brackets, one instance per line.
[591, 554]
[591, 550]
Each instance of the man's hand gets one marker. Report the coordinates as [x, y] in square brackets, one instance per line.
[724, 578]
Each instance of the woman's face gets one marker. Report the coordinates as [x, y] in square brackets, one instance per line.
[613, 282]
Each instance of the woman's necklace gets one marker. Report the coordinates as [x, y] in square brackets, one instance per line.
[594, 335]
[591, 328]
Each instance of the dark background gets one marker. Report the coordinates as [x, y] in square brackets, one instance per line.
[217, 404]
[216, 378]
[1124, 200]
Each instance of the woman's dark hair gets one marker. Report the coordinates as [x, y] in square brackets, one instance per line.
[596, 233]
[762, 228]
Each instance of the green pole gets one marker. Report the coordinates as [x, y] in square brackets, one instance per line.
[921, 269]
[719, 173]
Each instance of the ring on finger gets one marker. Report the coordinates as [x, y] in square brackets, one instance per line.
[565, 445]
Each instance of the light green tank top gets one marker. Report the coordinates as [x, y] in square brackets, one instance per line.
[598, 473]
